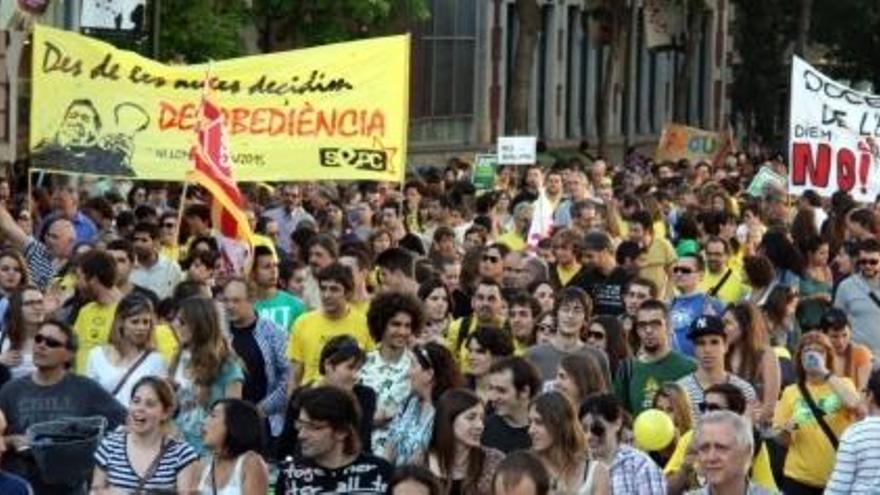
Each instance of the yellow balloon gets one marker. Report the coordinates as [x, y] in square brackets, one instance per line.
[653, 430]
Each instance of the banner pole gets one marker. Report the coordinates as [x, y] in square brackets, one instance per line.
[180, 209]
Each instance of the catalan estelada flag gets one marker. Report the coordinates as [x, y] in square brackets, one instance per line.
[213, 170]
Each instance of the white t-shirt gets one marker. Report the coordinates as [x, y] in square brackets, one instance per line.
[108, 375]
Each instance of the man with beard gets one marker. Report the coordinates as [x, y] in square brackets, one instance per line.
[513, 383]
[488, 311]
[331, 458]
[721, 280]
[639, 378]
[152, 270]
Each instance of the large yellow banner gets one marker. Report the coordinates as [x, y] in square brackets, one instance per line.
[336, 112]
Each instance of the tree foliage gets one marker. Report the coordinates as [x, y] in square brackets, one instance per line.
[200, 30]
[850, 29]
[299, 23]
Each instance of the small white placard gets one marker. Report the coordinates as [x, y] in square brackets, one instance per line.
[517, 150]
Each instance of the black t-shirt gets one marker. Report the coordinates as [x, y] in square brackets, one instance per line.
[302, 476]
[498, 434]
[606, 291]
[245, 345]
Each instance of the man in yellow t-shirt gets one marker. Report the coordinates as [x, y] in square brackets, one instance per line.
[335, 317]
[659, 255]
[96, 280]
[681, 468]
[721, 276]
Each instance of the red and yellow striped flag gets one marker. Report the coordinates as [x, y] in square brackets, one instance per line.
[213, 170]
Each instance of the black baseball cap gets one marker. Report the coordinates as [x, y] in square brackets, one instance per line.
[706, 325]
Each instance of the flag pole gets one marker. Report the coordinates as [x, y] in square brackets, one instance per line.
[180, 208]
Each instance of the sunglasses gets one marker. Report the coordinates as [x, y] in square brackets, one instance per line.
[49, 342]
[168, 225]
[423, 357]
[491, 259]
[869, 261]
[682, 270]
[709, 406]
[546, 328]
[596, 335]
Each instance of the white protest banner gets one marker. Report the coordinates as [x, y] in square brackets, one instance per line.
[517, 150]
[832, 136]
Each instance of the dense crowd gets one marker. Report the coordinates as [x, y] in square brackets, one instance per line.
[431, 338]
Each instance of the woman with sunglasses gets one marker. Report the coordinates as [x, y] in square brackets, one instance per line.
[605, 333]
[558, 441]
[750, 356]
[130, 355]
[145, 457]
[545, 327]
[812, 414]
[631, 470]
[851, 360]
[433, 372]
[25, 315]
[455, 454]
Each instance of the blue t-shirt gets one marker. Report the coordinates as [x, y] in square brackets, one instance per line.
[11, 484]
[683, 311]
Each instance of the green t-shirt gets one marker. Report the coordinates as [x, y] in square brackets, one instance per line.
[283, 309]
[637, 382]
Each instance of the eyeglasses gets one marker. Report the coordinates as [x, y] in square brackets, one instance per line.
[491, 259]
[682, 270]
[47, 341]
[709, 407]
[592, 334]
[423, 357]
[546, 328]
[869, 261]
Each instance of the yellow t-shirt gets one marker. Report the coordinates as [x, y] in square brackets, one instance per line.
[452, 340]
[171, 252]
[566, 274]
[734, 288]
[654, 261]
[166, 341]
[313, 329]
[513, 240]
[811, 457]
[762, 475]
[92, 327]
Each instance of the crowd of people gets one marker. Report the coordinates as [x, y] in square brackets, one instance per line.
[427, 338]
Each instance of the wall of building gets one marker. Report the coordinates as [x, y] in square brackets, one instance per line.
[462, 68]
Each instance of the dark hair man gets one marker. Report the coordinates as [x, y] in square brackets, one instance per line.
[331, 455]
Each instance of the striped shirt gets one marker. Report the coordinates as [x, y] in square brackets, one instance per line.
[40, 266]
[112, 458]
[697, 395]
[858, 460]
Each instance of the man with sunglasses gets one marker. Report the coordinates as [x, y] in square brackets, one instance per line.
[681, 469]
[50, 393]
[691, 301]
[859, 296]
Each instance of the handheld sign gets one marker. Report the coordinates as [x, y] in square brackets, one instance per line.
[517, 150]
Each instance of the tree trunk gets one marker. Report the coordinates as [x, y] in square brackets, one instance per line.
[618, 28]
[529, 15]
[803, 28]
[687, 73]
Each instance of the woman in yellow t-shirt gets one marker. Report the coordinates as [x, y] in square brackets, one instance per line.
[811, 451]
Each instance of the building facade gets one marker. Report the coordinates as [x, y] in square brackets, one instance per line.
[462, 68]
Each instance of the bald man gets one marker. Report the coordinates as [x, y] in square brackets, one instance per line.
[44, 258]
